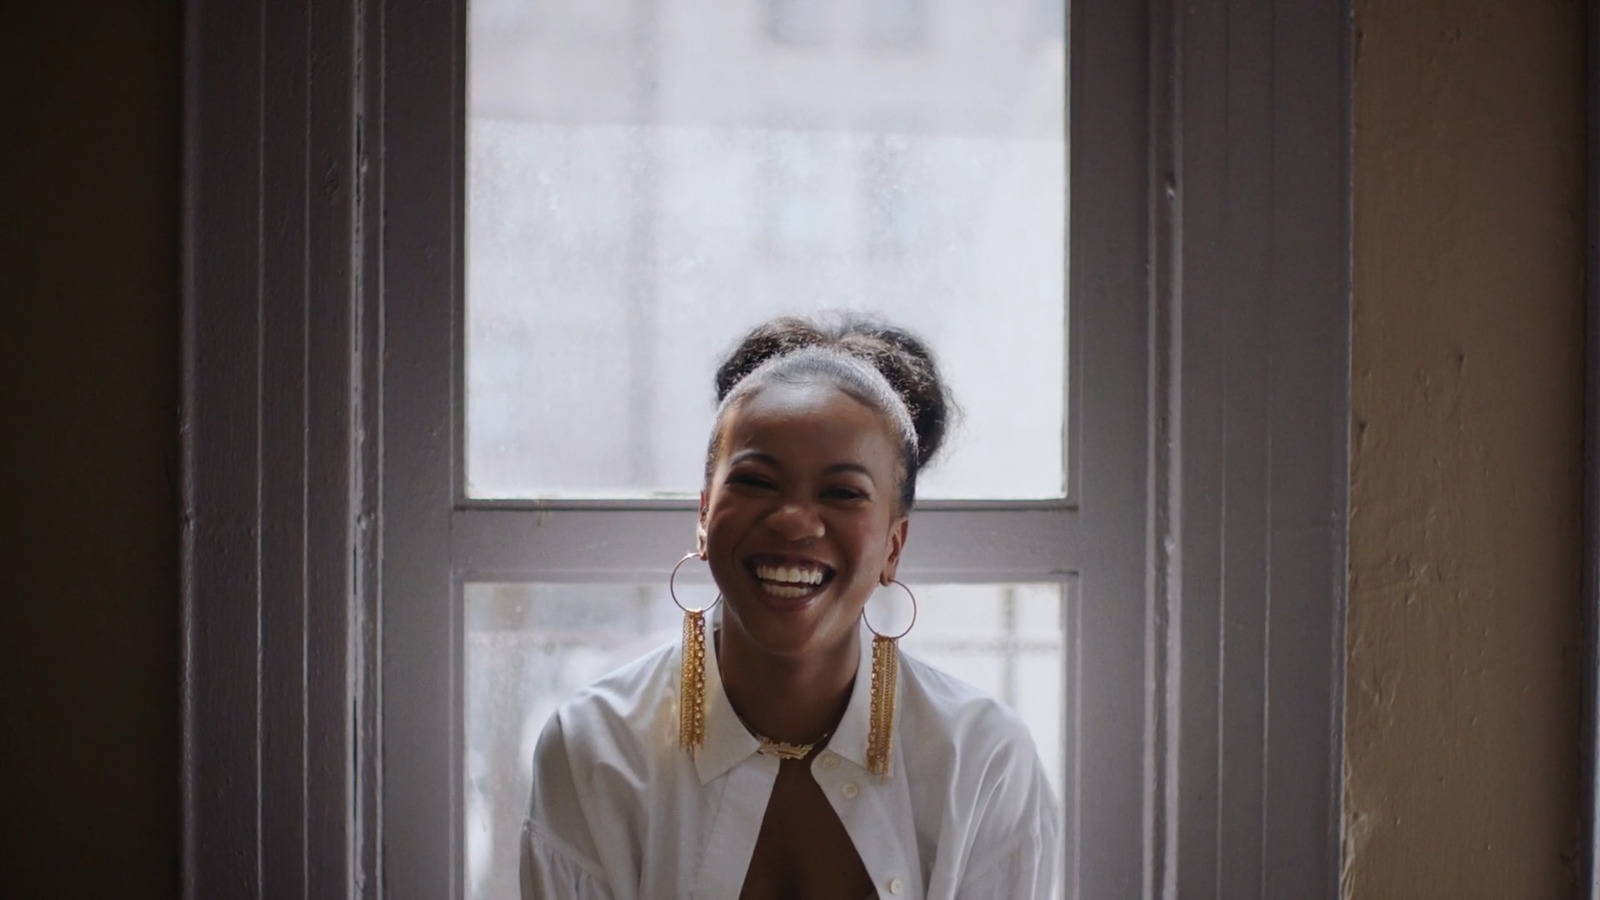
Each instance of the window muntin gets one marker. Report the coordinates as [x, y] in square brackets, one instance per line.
[647, 181]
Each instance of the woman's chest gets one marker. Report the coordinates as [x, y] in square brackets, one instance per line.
[803, 849]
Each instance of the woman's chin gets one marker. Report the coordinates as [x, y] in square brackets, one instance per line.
[778, 626]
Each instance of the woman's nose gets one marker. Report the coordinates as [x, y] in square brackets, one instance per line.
[794, 521]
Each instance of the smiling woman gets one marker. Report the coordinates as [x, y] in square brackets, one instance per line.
[786, 778]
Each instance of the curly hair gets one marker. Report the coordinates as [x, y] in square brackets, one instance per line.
[887, 368]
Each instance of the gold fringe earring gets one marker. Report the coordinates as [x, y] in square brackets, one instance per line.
[885, 694]
[692, 667]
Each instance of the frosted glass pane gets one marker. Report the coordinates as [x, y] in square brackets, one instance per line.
[647, 180]
[531, 646]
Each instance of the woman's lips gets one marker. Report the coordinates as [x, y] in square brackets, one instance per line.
[788, 583]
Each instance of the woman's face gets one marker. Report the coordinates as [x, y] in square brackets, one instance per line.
[798, 520]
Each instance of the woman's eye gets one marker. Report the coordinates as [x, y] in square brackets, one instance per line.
[748, 480]
[844, 493]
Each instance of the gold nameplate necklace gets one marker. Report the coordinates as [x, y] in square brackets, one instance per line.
[783, 749]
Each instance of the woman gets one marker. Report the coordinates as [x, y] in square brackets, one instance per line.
[793, 753]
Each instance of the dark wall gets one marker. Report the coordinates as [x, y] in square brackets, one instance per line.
[89, 642]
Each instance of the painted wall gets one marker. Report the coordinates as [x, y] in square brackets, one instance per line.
[89, 150]
[1462, 703]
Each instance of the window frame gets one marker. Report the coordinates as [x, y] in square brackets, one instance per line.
[629, 540]
[321, 231]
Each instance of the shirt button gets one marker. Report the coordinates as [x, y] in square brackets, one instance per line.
[895, 885]
[830, 762]
[850, 790]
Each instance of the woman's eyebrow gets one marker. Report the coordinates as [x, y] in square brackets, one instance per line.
[754, 456]
[837, 468]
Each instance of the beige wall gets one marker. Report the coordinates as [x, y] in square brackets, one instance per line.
[1462, 697]
[89, 149]
[1462, 717]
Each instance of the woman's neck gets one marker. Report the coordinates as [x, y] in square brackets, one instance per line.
[798, 700]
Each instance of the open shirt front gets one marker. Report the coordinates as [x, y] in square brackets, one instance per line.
[620, 811]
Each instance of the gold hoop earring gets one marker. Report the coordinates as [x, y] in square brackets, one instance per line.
[885, 677]
[692, 667]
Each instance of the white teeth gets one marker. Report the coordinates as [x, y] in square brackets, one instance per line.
[790, 574]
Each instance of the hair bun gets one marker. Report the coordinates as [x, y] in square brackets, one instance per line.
[765, 341]
[901, 357]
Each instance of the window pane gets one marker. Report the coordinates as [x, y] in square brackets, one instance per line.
[648, 179]
[531, 646]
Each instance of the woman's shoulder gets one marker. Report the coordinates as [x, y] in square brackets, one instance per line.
[594, 753]
[623, 707]
[941, 708]
[991, 798]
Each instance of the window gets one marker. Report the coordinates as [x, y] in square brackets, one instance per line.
[796, 21]
[904, 23]
[612, 256]
[614, 249]
[345, 582]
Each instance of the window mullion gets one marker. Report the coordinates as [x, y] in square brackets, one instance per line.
[521, 544]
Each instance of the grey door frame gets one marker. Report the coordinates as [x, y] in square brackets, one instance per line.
[1209, 239]
[280, 375]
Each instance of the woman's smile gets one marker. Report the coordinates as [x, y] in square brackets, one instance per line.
[791, 579]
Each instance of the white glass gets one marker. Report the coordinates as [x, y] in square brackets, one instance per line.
[648, 179]
[529, 647]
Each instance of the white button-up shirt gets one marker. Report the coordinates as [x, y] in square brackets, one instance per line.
[620, 811]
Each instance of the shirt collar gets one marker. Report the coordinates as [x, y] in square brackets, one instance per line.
[728, 743]
[850, 738]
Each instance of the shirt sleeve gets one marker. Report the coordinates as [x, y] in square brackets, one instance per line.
[558, 858]
[1028, 869]
[551, 872]
[1017, 839]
